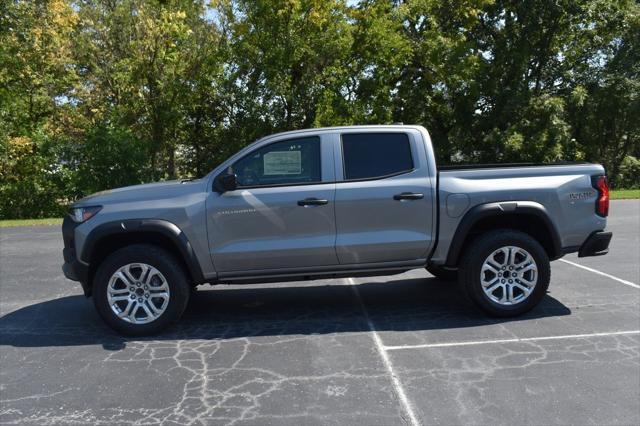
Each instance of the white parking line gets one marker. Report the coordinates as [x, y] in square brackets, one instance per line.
[595, 271]
[515, 340]
[397, 385]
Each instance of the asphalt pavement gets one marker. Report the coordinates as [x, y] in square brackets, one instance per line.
[403, 349]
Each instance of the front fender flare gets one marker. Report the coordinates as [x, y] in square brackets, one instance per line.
[159, 226]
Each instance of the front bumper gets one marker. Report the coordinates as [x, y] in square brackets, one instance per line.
[596, 245]
[72, 268]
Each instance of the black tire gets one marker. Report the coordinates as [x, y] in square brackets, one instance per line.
[480, 249]
[443, 273]
[163, 261]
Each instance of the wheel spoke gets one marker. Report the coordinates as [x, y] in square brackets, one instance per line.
[505, 253]
[526, 259]
[163, 288]
[134, 311]
[126, 312]
[528, 283]
[118, 291]
[128, 274]
[529, 267]
[524, 289]
[509, 289]
[144, 271]
[493, 263]
[512, 256]
[503, 298]
[147, 310]
[489, 267]
[163, 296]
[493, 287]
[124, 278]
[150, 274]
[154, 309]
[488, 283]
[119, 298]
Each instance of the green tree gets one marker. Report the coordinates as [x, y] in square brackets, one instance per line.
[440, 85]
[288, 60]
[103, 93]
[139, 62]
[603, 74]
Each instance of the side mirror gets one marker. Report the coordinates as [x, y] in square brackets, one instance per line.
[227, 182]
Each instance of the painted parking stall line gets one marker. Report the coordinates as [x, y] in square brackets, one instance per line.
[514, 340]
[397, 385]
[595, 271]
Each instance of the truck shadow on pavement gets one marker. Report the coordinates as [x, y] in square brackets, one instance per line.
[226, 312]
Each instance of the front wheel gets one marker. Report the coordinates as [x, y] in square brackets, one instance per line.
[505, 272]
[140, 289]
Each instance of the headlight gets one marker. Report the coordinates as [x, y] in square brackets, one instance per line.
[82, 214]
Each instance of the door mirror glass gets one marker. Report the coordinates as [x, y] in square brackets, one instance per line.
[227, 182]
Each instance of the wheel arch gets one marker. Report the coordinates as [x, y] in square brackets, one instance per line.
[111, 236]
[529, 217]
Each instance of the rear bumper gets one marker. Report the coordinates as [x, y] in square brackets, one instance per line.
[72, 268]
[596, 245]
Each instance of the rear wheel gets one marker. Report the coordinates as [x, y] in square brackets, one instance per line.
[505, 272]
[141, 289]
[443, 273]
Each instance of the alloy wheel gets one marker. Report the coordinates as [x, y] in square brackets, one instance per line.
[509, 275]
[138, 293]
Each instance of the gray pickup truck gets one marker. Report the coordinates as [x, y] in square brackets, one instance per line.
[328, 203]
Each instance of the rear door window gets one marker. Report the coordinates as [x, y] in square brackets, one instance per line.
[375, 155]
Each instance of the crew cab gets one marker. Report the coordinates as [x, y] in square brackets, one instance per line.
[329, 203]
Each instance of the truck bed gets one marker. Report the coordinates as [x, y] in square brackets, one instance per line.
[563, 190]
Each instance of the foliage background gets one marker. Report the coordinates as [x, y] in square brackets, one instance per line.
[97, 94]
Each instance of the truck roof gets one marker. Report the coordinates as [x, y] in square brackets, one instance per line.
[340, 128]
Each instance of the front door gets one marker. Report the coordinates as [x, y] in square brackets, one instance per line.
[282, 213]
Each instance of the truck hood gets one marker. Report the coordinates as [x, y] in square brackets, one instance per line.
[143, 192]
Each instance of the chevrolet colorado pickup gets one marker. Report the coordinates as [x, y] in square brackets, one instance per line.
[333, 202]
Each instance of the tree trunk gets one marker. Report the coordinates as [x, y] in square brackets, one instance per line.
[171, 165]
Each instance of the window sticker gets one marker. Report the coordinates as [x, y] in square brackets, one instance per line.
[282, 163]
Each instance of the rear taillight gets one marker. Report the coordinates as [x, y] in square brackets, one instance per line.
[602, 202]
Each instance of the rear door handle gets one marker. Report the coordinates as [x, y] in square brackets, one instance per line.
[408, 196]
[312, 202]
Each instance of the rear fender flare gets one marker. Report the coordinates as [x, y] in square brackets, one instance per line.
[503, 208]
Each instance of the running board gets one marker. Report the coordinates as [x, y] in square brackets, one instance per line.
[321, 272]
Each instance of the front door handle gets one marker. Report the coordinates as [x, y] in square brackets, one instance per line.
[408, 196]
[312, 202]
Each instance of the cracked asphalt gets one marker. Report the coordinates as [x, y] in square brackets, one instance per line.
[403, 349]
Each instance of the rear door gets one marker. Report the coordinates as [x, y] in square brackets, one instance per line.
[281, 216]
[384, 197]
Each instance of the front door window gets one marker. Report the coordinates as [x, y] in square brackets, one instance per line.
[290, 162]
